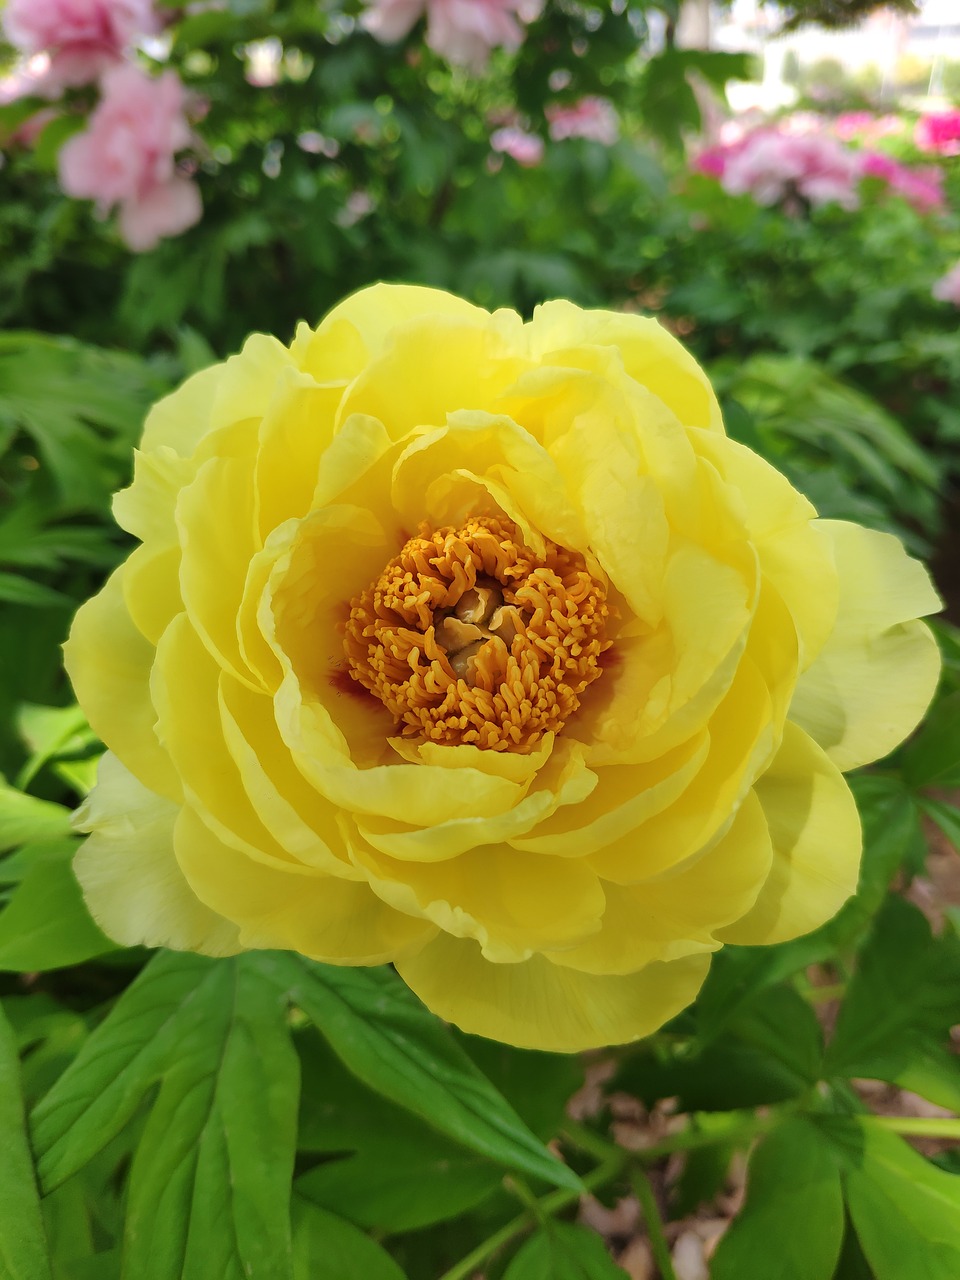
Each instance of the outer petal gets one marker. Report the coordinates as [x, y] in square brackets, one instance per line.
[108, 662]
[538, 1005]
[815, 829]
[679, 914]
[878, 671]
[335, 921]
[130, 878]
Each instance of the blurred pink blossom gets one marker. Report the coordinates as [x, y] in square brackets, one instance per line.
[592, 118]
[82, 37]
[125, 157]
[864, 124]
[525, 148]
[947, 288]
[939, 132]
[462, 31]
[923, 188]
[771, 166]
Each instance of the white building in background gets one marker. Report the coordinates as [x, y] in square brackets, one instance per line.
[880, 41]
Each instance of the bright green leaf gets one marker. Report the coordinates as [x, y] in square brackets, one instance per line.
[24, 818]
[23, 1247]
[906, 1211]
[933, 757]
[791, 1226]
[382, 1033]
[209, 1187]
[327, 1246]
[900, 1005]
[561, 1251]
[46, 924]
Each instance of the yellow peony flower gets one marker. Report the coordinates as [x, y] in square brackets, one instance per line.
[476, 646]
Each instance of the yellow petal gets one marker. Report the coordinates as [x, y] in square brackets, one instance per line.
[146, 508]
[433, 366]
[180, 420]
[794, 556]
[815, 829]
[651, 356]
[512, 903]
[151, 589]
[184, 687]
[680, 913]
[377, 311]
[218, 539]
[331, 920]
[537, 1005]
[742, 739]
[876, 674]
[109, 662]
[565, 782]
[131, 882]
[296, 815]
[296, 429]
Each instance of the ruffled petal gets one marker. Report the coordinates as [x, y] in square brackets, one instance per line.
[331, 920]
[815, 829]
[109, 662]
[130, 878]
[877, 673]
[681, 913]
[538, 1005]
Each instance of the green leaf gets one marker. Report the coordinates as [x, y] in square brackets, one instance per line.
[537, 1085]
[947, 818]
[933, 757]
[382, 1033]
[46, 924]
[770, 1052]
[906, 1211]
[23, 1246]
[391, 1171]
[327, 1246]
[49, 732]
[901, 1002]
[209, 1188]
[791, 1226]
[560, 1251]
[17, 590]
[24, 818]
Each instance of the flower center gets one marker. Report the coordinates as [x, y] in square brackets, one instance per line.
[468, 636]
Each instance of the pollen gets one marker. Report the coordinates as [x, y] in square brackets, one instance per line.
[469, 637]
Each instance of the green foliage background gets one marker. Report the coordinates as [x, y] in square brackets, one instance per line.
[269, 1118]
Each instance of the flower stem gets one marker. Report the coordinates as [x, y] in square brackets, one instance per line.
[651, 1214]
[919, 1126]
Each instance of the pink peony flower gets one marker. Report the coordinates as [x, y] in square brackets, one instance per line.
[771, 166]
[592, 118]
[462, 31]
[923, 188]
[947, 288]
[525, 148]
[125, 157]
[82, 37]
[939, 132]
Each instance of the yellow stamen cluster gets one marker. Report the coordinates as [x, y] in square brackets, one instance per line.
[468, 636]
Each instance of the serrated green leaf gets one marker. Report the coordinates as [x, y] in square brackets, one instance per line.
[791, 1226]
[389, 1170]
[900, 1005]
[209, 1187]
[933, 757]
[905, 1210]
[561, 1251]
[327, 1246]
[46, 924]
[382, 1033]
[24, 818]
[23, 1246]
